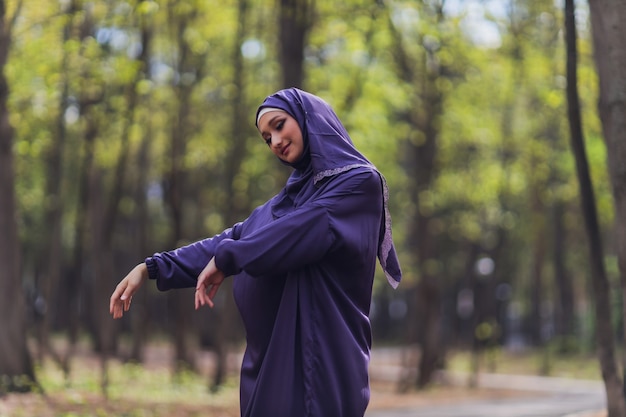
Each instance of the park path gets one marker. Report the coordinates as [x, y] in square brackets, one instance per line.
[538, 397]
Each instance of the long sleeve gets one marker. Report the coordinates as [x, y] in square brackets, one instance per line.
[288, 243]
[180, 268]
[305, 235]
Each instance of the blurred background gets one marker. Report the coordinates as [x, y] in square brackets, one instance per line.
[133, 132]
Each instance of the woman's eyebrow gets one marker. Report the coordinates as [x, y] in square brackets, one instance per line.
[274, 118]
[271, 121]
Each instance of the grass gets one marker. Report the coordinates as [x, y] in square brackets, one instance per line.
[531, 362]
[134, 382]
[151, 390]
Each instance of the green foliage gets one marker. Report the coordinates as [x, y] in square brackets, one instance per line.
[502, 140]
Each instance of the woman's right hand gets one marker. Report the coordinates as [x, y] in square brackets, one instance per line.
[123, 294]
[209, 282]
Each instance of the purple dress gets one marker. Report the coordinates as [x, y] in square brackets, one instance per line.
[303, 266]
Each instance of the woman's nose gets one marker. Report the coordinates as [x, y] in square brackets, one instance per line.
[276, 140]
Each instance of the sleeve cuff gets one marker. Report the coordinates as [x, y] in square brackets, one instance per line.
[225, 260]
[153, 268]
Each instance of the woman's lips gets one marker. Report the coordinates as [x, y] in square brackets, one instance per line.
[285, 150]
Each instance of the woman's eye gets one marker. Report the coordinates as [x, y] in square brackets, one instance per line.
[268, 141]
[280, 125]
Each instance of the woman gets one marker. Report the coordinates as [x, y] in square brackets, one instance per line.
[303, 266]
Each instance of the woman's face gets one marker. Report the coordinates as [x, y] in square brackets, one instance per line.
[282, 134]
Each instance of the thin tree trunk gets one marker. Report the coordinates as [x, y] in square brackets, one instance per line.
[75, 281]
[233, 208]
[102, 271]
[181, 305]
[296, 19]
[431, 356]
[53, 209]
[537, 284]
[108, 218]
[421, 166]
[359, 76]
[563, 293]
[16, 368]
[140, 218]
[424, 158]
[140, 317]
[97, 220]
[564, 288]
[604, 332]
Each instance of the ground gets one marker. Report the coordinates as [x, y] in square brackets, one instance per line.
[150, 390]
[79, 403]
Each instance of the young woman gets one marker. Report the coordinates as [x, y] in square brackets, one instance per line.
[303, 265]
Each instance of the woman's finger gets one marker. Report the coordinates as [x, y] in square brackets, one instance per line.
[116, 296]
[202, 298]
[213, 291]
[127, 302]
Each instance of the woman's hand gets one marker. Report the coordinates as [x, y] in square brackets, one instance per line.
[123, 294]
[209, 282]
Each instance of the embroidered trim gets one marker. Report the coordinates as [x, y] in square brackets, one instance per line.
[331, 172]
[387, 244]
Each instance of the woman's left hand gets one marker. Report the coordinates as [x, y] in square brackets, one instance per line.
[209, 282]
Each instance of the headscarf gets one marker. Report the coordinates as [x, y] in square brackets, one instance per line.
[329, 151]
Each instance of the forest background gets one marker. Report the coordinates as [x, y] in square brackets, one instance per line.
[133, 132]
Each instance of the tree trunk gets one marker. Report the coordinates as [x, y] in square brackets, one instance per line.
[75, 283]
[97, 220]
[536, 318]
[565, 318]
[180, 306]
[605, 19]
[424, 158]
[102, 272]
[105, 222]
[16, 369]
[431, 358]
[139, 220]
[235, 205]
[51, 277]
[420, 166]
[609, 40]
[359, 77]
[296, 19]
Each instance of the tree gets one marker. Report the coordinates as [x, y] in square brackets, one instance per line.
[423, 72]
[16, 369]
[296, 19]
[609, 35]
[139, 219]
[604, 332]
[234, 207]
[176, 190]
[52, 249]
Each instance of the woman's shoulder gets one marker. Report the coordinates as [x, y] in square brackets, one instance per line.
[361, 177]
[365, 173]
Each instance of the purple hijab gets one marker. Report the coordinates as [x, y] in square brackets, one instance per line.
[329, 151]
